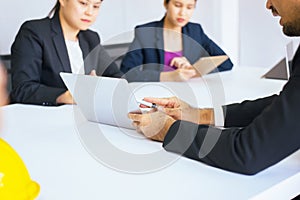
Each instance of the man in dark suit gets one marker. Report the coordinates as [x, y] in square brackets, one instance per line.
[258, 133]
[40, 53]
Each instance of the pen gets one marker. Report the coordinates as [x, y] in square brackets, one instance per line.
[150, 105]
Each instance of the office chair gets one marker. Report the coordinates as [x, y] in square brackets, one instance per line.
[117, 51]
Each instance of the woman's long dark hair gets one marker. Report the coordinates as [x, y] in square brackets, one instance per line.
[54, 9]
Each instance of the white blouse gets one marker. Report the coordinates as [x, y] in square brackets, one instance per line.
[75, 56]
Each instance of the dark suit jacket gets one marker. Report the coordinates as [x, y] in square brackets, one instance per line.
[259, 133]
[39, 54]
[145, 59]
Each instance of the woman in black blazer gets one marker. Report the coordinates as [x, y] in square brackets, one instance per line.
[164, 50]
[43, 48]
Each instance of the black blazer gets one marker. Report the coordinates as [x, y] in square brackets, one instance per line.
[145, 59]
[39, 54]
[259, 133]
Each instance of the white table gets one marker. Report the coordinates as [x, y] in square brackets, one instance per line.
[47, 139]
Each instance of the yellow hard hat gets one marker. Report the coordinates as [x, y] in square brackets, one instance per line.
[15, 182]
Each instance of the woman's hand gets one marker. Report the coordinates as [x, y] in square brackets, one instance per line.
[181, 63]
[178, 75]
[93, 73]
[65, 98]
[184, 71]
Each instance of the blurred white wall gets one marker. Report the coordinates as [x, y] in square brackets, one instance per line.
[14, 12]
[262, 42]
[116, 19]
[247, 32]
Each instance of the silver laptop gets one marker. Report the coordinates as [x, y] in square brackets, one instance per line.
[102, 99]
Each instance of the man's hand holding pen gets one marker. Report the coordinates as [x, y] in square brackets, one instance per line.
[163, 113]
